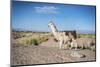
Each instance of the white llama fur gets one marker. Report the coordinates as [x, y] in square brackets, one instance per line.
[61, 37]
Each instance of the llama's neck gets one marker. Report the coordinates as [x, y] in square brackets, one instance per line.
[54, 30]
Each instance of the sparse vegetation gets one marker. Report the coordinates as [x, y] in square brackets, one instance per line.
[28, 41]
[17, 35]
[32, 38]
[86, 35]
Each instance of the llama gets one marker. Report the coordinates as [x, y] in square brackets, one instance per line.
[62, 37]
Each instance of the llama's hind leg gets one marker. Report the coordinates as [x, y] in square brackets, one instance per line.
[76, 45]
[71, 45]
[68, 44]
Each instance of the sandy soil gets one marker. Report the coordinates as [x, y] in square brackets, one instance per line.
[47, 52]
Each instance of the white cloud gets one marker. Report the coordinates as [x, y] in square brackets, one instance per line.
[46, 9]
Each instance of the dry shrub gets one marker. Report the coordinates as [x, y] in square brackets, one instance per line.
[33, 40]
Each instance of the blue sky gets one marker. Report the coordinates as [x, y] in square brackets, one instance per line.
[35, 16]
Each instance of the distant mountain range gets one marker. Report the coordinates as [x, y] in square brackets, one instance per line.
[79, 31]
[86, 32]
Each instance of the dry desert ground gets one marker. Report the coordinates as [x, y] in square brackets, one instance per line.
[47, 52]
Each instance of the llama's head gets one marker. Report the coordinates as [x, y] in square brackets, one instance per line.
[50, 24]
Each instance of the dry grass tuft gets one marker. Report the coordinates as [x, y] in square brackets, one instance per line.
[34, 39]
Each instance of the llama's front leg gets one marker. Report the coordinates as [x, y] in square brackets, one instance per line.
[60, 44]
